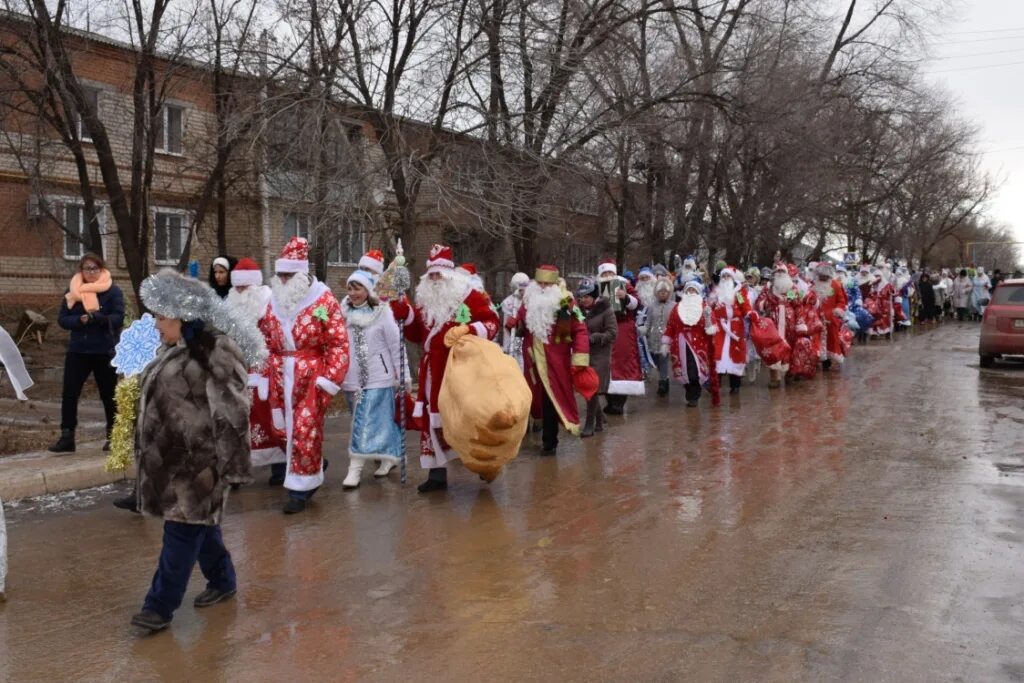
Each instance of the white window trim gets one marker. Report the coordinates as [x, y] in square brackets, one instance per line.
[185, 223]
[361, 250]
[58, 204]
[299, 216]
[160, 148]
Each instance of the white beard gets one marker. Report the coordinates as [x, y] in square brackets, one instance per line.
[439, 299]
[691, 308]
[726, 291]
[781, 284]
[287, 295]
[251, 304]
[687, 275]
[542, 305]
[645, 290]
[902, 280]
[822, 288]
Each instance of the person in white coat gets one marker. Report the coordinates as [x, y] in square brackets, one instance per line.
[372, 377]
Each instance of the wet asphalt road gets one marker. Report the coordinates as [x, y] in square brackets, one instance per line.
[866, 526]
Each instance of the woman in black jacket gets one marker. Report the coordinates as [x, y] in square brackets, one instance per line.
[93, 311]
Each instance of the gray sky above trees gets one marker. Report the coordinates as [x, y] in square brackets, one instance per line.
[978, 56]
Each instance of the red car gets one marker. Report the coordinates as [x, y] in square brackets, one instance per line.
[1002, 327]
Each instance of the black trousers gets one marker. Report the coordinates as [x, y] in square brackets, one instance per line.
[692, 385]
[77, 368]
[549, 436]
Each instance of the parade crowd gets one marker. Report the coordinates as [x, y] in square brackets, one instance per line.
[248, 370]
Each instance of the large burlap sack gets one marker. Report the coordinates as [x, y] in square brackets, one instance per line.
[484, 404]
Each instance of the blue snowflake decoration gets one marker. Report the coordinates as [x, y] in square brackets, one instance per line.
[138, 346]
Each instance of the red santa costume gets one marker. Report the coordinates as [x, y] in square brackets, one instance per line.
[806, 339]
[372, 262]
[728, 314]
[309, 357]
[556, 341]
[777, 301]
[447, 306]
[879, 303]
[832, 303]
[689, 340]
[627, 377]
[251, 298]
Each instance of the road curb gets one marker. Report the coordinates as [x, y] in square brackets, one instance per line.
[36, 474]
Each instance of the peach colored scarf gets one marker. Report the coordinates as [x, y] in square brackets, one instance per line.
[86, 291]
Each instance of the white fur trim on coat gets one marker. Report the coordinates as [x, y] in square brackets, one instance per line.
[627, 387]
[327, 385]
[291, 265]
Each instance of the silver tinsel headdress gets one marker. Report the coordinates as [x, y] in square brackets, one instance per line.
[173, 295]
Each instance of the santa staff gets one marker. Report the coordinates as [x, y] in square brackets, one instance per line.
[447, 307]
[556, 346]
[309, 357]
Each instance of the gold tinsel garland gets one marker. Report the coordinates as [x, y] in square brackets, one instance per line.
[122, 436]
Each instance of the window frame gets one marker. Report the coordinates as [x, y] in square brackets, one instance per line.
[345, 232]
[62, 204]
[161, 146]
[300, 218]
[184, 215]
[83, 131]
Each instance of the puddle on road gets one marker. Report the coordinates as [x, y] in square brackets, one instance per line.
[1009, 468]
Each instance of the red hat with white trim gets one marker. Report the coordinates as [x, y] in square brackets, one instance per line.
[247, 273]
[469, 268]
[294, 257]
[441, 259]
[373, 261]
[546, 275]
[607, 266]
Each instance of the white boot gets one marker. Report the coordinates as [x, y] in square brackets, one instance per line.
[385, 468]
[355, 468]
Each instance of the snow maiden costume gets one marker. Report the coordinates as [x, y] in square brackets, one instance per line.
[371, 381]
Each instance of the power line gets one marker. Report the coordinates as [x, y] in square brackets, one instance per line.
[990, 30]
[976, 54]
[972, 68]
[978, 40]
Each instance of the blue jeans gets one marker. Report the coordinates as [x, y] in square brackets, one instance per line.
[184, 544]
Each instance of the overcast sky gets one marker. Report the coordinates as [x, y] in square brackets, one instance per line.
[989, 89]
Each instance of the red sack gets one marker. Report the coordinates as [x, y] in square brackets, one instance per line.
[804, 360]
[412, 424]
[585, 382]
[770, 345]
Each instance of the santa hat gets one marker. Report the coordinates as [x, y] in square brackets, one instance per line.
[367, 280]
[690, 261]
[294, 257]
[520, 280]
[825, 268]
[223, 262]
[246, 274]
[732, 273]
[546, 275]
[607, 266]
[646, 270]
[440, 259]
[468, 268]
[792, 270]
[373, 261]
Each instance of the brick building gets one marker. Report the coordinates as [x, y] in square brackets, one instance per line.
[41, 210]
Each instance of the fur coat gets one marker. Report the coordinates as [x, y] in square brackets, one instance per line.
[192, 433]
[603, 329]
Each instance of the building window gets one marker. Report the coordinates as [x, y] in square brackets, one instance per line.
[348, 244]
[169, 240]
[75, 233]
[170, 129]
[580, 260]
[92, 96]
[584, 201]
[296, 225]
